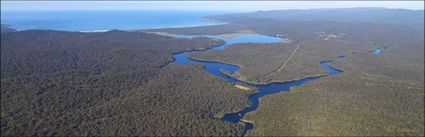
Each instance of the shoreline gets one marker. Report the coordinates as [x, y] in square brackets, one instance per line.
[213, 23]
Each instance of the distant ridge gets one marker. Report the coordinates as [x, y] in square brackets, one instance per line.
[376, 15]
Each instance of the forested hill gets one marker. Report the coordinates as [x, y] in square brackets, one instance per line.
[55, 52]
[413, 18]
[114, 83]
[376, 95]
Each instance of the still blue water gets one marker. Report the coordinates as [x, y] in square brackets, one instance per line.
[339, 58]
[377, 51]
[215, 68]
[88, 20]
[243, 38]
[143, 19]
[272, 88]
[211, 67]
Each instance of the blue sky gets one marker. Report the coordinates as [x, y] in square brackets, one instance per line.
[203, 5]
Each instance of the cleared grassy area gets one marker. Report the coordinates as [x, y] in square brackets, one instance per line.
[233, 35]
[242, 87]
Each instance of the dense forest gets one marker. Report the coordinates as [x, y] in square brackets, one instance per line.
[111, 83]
[261, 61]
[380, 95]
[122, 83]
[375, 95]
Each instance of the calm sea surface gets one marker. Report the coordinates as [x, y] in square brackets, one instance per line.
[94, 20]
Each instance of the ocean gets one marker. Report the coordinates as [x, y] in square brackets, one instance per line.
[100, 20]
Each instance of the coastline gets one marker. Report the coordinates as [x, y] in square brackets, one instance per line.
[202, 20]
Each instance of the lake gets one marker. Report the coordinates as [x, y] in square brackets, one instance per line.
[99, 20]
[215, 68]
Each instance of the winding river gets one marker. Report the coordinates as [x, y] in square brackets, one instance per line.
[263, 89]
